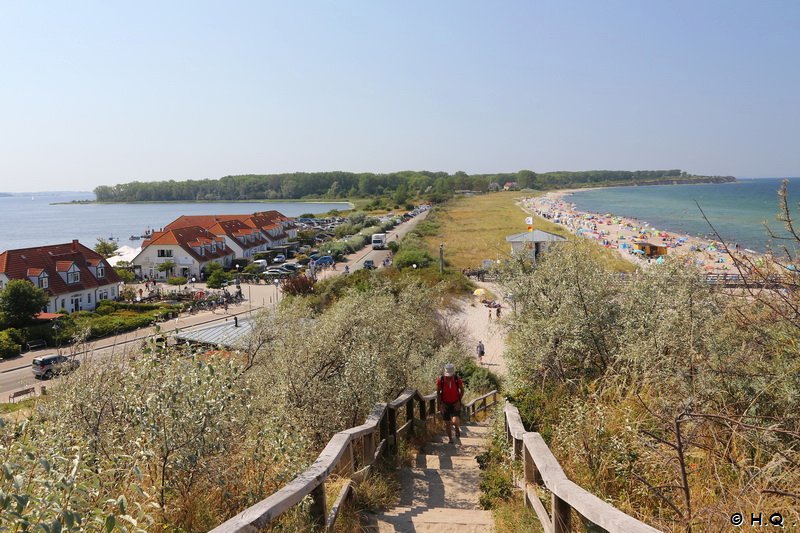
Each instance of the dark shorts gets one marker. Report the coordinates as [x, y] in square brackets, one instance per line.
[451, 410]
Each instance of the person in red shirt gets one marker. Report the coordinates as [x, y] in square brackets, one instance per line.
[449, 391]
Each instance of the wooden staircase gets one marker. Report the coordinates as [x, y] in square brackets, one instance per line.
[440, 492]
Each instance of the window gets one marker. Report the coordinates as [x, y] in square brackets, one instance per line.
[213, 248]
[44, 282]
[73, 277]
[164, 253]
[89, 298]
[101, 271]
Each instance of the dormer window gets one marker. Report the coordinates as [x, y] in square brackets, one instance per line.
[74, 276]
[213, 248]
[101, 271]
[44, 281]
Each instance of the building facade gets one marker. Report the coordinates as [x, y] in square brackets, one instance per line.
[74, 276]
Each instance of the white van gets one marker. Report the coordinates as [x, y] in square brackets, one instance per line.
[260, 262]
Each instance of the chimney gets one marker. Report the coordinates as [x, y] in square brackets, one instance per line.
[74, 245]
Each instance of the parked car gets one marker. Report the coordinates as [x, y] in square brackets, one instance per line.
[369, 264]
[280, 258]
[50, 365]
[279, 270]
[324, 260]
[291, 266]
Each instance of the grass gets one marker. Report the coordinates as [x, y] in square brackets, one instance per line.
[513, 515]
[18, 406]
[475, 228]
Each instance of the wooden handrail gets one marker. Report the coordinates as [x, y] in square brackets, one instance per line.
[353, 452]
[541, 468]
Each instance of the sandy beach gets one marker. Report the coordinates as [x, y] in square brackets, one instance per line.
[619, 233]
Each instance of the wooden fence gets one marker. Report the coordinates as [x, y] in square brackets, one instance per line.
[350, 453]
[541, 469]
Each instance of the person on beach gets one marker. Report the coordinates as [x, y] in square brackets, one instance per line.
[490, 314]
[449, 391]
[481, 352]
[498, 313]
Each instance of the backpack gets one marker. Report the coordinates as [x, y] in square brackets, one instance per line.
[440, 385]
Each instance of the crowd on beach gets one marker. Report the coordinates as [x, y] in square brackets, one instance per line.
[620, 233]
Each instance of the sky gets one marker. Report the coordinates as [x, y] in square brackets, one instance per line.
[99, 93]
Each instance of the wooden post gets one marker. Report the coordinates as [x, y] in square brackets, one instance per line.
[561, 512]
[385, 432]
[318, 506]
[392, 436]
[369, 448]
[410, 416]
[532, 474]
[423, 411]
[517, 448]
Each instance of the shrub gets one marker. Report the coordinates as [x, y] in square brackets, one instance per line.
[8, 348]
[297, 285]
[393, 246]
[105, 307]
[177, 280]
[407, 257]
[478, 379]
[218, 279]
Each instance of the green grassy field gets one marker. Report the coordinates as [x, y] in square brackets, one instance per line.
[475, 228]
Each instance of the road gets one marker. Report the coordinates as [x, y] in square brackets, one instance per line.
[15, 374]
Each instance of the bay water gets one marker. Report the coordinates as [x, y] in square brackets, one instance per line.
[43, 218]
[740, 211]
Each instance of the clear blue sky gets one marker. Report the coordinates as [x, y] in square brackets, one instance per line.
[106, 92]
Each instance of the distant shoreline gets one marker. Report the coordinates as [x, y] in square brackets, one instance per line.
[254, 201]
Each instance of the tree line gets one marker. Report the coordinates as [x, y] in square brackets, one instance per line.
[400, 185]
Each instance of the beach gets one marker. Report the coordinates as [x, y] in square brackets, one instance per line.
[628, 236]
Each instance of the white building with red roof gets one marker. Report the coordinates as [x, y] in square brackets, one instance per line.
[74, 277]
[246, 235]
[189, 248]
[243, 240]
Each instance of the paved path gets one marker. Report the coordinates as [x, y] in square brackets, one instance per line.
[440, 492]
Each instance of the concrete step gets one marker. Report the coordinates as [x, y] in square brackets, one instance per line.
[429, 488]
[475, 430]
[435, 520]
[445, 462]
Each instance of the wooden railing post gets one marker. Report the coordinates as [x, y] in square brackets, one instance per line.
[423, 411]
[561, 515]
[410, 415]
[392, 437]
[532, 474]
[384, 435]
[318, 506]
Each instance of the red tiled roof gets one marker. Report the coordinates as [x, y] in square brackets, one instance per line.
[34, 272]
[63, 266]
[16, 264]
[232, 225]
[186, 237]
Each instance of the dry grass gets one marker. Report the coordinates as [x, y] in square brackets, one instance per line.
[475, 228]
[513, 515]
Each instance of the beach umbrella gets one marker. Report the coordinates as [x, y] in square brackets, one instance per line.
[641, 252]
[479, 292]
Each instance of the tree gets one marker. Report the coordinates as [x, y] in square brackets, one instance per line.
[105, 248]
[167, 267]
[20, 301]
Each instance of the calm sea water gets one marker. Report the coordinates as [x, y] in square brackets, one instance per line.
[37, 220]
[739, 211]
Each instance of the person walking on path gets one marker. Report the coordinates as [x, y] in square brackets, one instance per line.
[481, 352]
[498, 313]
[449, 391]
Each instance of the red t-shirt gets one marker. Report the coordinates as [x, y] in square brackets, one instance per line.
[450, 388]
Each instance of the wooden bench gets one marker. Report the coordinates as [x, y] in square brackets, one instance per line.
[20, 393]
[34, 344]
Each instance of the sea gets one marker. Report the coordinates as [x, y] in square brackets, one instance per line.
[744, 211]
[49, 218]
